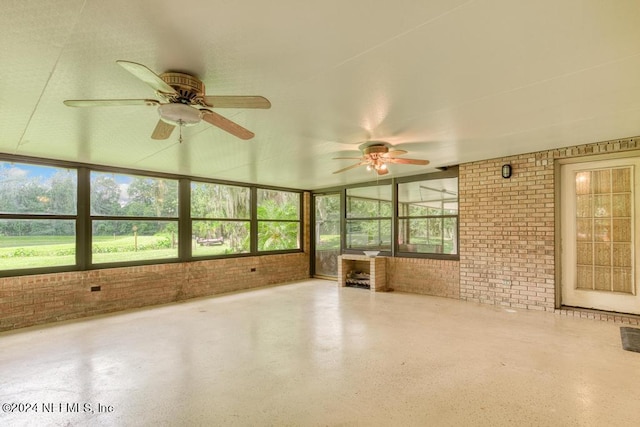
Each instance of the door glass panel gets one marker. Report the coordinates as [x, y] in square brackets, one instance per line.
[584, 230]
[583, 183]
[602, 278]
[621, 205]
[621, 180]
[602, 230]
[602, 206]
[584, 277]
[622, 230]
[622, 255]
[601, 181]
[604, 234]
[622, 280]
[602, 254]
[583, 206]
[584, 254]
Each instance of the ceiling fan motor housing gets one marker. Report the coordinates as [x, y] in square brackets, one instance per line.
[375, 150]
[189, 88]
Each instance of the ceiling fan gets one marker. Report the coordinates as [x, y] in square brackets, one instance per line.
[376, 155]
[182, 102]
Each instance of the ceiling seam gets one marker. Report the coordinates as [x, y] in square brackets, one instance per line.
[46, 84]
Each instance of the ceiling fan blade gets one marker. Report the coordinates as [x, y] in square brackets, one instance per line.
[109, 102]
[350, 167]
[163, 130]
[347, 158]
[407, 161]
[382, 171]
[237, 102]
[147, 76]
[394, 153]
[226, 124]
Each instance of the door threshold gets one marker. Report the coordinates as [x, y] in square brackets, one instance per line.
[606, 316]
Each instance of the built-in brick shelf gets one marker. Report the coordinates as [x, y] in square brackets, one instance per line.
[375, 266]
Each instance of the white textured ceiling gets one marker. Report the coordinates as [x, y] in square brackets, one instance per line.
[451, 81]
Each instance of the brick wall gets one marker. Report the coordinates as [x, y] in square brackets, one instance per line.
[507, 255]
[507, 227]
[424, 276]
[31, 300]
[37, 299]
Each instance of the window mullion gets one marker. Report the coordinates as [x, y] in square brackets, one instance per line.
[83, 220]
[184, 220]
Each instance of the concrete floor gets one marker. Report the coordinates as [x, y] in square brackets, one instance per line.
[310, 353]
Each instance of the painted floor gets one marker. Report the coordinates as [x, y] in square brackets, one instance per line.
[313, 354]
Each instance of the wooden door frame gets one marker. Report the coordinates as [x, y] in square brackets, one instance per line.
[558, 201]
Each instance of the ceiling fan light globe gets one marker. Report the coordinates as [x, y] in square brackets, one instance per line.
[383, 166]
[368, 168]
[179, 114]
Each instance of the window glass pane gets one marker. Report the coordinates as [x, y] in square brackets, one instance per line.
[220, 237]
[34, 189]
[27, 243]
[327, 219]
[368, 202]
[369, 234]
[425, 210]
[130, 195]
[280, 235]
[123, 240]
[428, 235]
[429, 197]
[417, 210]
[220, 201]
[278, 205]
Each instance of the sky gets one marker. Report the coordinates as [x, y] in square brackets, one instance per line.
[10, 171]
[20, 170]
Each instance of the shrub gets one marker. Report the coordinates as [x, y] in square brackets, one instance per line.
[23, 252]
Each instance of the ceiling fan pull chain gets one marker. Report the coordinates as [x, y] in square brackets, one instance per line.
[180, 128]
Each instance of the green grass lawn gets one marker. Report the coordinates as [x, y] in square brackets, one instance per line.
[23, 241]
[101, 258]
[36, 251]
[328, 241]
[47, 251]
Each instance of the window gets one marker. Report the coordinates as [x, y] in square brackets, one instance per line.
[67, 216]
[368, 218]
[38, 207]
[133, 218]
[279, 223]
[220, 219]
[428, 216]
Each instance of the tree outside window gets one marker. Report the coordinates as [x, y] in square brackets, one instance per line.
[428, 216]
[38, 216]
[368, 218]
[279, 220]
[220, 219]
